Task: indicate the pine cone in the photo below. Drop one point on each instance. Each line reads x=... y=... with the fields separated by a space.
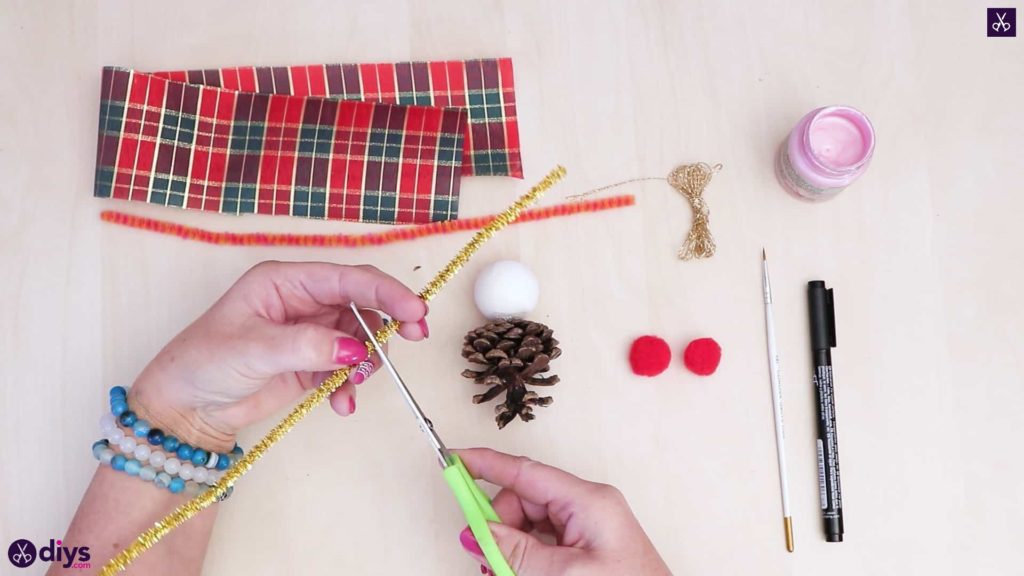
x=514 y=353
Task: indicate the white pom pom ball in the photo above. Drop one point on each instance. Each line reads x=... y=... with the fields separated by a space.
x=506 y=289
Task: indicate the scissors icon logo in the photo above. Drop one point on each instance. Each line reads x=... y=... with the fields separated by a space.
x=1001 y=25
x=1002 y=22
x=21 y=553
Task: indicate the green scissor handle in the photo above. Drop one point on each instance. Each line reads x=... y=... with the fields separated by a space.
x=478 y=511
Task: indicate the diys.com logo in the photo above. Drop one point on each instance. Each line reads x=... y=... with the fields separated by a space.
x=23 y=553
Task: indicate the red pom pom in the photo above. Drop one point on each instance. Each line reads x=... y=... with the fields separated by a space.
x=649 y=356
x=702 y=356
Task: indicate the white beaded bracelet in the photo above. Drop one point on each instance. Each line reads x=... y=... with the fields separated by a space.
x=158 y=458
x=106 y=455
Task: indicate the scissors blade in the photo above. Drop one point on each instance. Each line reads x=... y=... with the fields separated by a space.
x=443 y=456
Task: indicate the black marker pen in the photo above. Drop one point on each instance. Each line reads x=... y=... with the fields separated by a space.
x=823 y=339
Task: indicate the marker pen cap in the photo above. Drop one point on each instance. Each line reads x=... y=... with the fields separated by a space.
x=823 y=315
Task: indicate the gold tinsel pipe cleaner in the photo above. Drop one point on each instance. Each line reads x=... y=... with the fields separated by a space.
x=197 y=504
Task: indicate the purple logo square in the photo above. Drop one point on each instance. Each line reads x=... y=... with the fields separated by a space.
x=1002 y=22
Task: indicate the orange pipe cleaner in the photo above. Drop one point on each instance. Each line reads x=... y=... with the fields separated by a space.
x=356 y=240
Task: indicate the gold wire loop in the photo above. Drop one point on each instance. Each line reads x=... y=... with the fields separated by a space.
x=691 y=180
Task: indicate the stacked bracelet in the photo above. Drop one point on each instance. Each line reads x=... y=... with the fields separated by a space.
x=182 y=467
x=150 y=473
x=158 y=459
x=120 y=411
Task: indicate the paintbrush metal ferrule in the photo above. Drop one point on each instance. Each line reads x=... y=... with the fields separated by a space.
x=788 y=524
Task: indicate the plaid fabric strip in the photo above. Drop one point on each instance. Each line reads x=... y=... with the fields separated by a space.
x=484 y=87
x=194 y=140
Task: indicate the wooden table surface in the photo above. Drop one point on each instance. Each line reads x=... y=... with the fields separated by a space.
x=924 y=254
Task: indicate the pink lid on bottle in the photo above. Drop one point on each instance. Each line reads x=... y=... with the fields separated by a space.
x=827 y=150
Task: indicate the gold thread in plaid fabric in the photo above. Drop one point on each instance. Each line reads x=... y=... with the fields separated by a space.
x=199 y=146
x=485 y=87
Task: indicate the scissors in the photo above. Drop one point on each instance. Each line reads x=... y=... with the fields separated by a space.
x=21 y=558
x=1001 y=24
x=476 y=506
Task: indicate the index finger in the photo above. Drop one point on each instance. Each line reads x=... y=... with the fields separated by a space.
x=304 y=288
x=532 y=481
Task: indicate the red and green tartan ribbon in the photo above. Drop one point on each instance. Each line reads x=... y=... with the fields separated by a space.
x=373 y=143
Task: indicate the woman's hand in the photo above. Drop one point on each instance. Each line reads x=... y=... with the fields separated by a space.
x=279 y=331
x=595 y=532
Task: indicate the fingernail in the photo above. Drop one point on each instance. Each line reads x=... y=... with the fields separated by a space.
x=362 y=372
x=423 y=326
x=349 y=351
x=469 y=543
x=483 y=569
x=351 y=405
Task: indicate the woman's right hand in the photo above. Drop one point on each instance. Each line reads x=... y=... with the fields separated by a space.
x=595 y=531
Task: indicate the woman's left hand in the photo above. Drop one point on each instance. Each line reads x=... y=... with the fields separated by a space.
x=278 y=332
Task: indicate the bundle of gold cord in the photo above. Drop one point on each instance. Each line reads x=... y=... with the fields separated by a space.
x=189 y=509
x=690 y=181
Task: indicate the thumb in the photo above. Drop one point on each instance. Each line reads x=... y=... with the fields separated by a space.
x=303 y=347
x=528 y=556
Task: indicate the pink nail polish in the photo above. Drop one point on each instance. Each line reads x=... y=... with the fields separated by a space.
x=361 y=373
x=423 y=326
x=483 y=569
x=469 y=543
x=351 y=405
x=349 y=351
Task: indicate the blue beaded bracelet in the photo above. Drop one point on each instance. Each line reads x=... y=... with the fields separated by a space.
x=102 y=451
x=157 y=437
x=153 y=457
